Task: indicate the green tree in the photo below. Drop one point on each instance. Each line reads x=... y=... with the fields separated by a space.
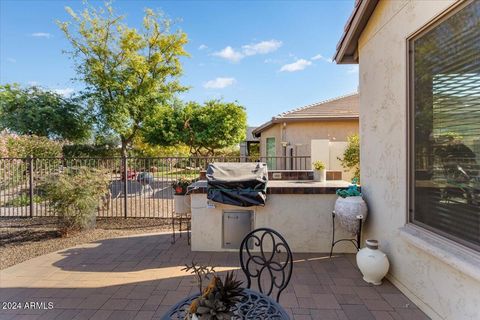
x=44 y=113
x=140 y=148
x=205 y=129
x=351 y=155
x=129 y=73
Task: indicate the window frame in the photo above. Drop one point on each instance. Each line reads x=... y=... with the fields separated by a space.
x=410 y=118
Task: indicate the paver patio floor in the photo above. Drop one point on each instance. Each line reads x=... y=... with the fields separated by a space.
x=139 y=277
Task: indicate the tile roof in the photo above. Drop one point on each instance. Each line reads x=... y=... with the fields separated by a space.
x=343 y=107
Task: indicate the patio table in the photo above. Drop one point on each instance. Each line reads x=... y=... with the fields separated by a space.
x=253 y=305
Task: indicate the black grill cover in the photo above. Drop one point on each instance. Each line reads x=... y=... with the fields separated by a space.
x=239 y=184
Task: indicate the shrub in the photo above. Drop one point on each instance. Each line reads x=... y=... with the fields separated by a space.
x=75 y=195
x=351 y=156
x=233 y=152
x=90 y=151
x=22 y=199
x=31 y=145
x=14 y=172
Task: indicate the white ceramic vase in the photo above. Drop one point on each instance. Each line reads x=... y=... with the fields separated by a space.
x=182 y=203
x=372 y=262
x=348 y=209
x=320 y=175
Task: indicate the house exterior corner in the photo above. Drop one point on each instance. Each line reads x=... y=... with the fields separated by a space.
x=430 y=277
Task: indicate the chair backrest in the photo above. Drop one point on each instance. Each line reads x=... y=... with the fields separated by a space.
x=266 y=257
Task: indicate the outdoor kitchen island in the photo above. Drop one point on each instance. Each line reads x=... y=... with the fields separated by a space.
x=301 y=210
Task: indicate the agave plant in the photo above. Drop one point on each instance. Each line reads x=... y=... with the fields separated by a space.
x=217 y=299
x=230 y=289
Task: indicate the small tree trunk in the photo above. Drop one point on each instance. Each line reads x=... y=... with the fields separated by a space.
x=124 y=147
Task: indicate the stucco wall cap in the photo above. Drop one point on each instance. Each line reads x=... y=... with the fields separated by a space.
x=463 y=259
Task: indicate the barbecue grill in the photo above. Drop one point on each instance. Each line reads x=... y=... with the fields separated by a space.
x=239 y=184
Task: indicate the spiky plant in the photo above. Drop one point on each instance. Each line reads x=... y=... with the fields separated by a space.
x=217 y=299
x=230 y=289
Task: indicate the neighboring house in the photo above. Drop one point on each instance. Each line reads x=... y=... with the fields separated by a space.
x=419 y=71
x=319 y=131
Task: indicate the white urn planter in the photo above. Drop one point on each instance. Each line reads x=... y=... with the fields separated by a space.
x=372 y=262
x=320 y=175
x=347 y=209
x=182 y=203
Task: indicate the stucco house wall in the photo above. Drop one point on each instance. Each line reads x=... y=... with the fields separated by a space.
x=305 y=131
x=430 y=274
x=300 y=136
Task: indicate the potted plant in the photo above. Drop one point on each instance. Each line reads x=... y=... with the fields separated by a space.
x=350 y=206
x=319 y=172
x=180 y=197
x=217 y=300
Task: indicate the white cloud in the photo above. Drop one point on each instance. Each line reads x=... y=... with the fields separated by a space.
x=229 y=54
x=353 y=69
x=298 y=65
x=320 y=57
x=252 y=49
x=219 y=83
x=66 y=92
x=41 y=35
x=262 y=47
x=202 y=47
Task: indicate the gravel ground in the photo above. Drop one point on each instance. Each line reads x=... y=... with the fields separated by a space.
x=25 y=238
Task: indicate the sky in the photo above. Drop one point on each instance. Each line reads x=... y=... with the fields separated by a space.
x=269 y=56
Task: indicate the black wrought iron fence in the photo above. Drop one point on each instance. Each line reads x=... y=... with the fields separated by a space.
x=138 y=187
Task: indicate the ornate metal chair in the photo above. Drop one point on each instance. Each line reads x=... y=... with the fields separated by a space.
x=266 y=257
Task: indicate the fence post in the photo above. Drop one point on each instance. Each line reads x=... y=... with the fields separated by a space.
x=30 y=187
x=125 y=186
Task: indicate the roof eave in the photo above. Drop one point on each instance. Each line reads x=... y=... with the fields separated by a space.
x=335 y=118
x=346 y=52
x=258 y=131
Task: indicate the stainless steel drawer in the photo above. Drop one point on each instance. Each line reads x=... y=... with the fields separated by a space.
x=236 y=225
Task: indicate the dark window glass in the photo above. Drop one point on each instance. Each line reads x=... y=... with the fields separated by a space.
x=445 y=115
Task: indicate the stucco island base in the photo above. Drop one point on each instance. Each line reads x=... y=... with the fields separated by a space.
x=305 y=220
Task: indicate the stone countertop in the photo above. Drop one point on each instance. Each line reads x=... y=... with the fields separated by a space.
x=288 y=186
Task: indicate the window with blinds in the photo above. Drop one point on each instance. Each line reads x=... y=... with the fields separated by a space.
x=445 y=126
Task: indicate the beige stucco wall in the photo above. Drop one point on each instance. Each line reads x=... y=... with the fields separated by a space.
x=303 y=132
x=307 y=228
x=299 y=135
x=442 y=291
